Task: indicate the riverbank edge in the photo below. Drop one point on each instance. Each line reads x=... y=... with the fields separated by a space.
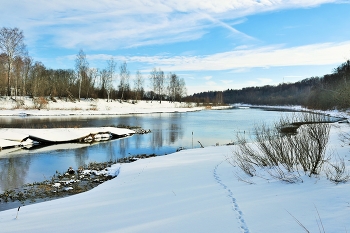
x=343 y=114
x=65 y=184
x=95 y=107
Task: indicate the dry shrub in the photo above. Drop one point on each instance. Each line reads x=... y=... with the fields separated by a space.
x=337 y=172
x=40 y=102
x=282 y=156
x=93 y=107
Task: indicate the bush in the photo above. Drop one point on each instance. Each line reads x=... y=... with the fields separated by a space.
x=40 y=102
x=337 y=172
x=284 y=155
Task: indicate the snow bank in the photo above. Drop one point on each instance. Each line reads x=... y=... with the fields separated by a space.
x=88 y=107
x=60 y=134
x=25 y=137
x=298 y=108
x=193 y=191
x=7 y=143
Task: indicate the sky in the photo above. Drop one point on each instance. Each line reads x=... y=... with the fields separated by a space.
x=213 y=45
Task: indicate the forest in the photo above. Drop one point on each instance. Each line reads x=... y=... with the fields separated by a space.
x=328 y=92
x=20 y=76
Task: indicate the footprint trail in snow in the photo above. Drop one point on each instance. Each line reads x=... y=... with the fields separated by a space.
x=235 y=206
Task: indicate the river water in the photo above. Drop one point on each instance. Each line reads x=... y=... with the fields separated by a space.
x=169 y=132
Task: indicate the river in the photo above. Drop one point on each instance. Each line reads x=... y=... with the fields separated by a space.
x=169 y=132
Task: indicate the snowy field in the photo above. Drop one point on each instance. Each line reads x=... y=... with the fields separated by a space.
x=194 y=190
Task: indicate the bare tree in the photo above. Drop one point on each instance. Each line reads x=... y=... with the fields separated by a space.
x=27 y=64
x=182 y=90
x=138 y=85
x=124 y=79
x=176 y=88
x=103 y=74
x=81 y=67
x=93 y=74
x=11 y=43
x=153 y=82
x=108 y=80
x=37 y=79
x=16 y=75
x=157 y=83
x=3 y=75
x=64 y=81
x=171 y=80
x=160 y=84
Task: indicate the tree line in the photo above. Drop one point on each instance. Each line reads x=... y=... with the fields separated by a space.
x=327 y=92
x=20 y=75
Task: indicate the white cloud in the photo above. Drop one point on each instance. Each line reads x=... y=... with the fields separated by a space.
x=108 y=24
x=208 y=77
x=240 y=60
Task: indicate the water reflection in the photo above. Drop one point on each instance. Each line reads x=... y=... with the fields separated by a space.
x=122 y=145
x=169 y=131
x=13 y=172
x=81 y=156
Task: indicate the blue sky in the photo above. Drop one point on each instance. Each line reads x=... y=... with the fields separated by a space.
x=213 y=45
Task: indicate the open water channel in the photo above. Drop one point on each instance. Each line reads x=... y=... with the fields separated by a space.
x=169 y=132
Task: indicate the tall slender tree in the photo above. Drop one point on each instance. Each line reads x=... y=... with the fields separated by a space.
x=138 y=85
x=124 y=76
x=12 y=44
x=81 y=67
x=110 y=77
x=157 y=83
x=176 y=88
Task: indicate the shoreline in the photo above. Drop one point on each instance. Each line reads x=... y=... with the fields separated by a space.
x=95 y=107
x=68 y=183
x=26 y=107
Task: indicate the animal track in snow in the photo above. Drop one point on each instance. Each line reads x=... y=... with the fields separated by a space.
x=235 y=206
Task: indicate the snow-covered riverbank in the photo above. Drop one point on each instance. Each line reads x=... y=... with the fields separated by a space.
x=62 y=107
x=194 y=191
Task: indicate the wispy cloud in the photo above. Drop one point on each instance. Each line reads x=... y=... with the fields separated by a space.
x=109 y=25
x=240 y=60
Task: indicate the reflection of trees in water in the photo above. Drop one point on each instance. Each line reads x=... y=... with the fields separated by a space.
x=110 y=152
x=123 y=145
x=13 y=172
x=124 y=121
x=175 y=129
x=138 y=140
x=167 y=131
x=157 y=139
x=175 y=133
x=81 y=156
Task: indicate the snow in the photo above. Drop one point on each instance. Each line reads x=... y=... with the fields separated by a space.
x=56 y=185
x=60 y=134
x=13 y=137
x=193 y=191
x=89 y=107
x=7 y=143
